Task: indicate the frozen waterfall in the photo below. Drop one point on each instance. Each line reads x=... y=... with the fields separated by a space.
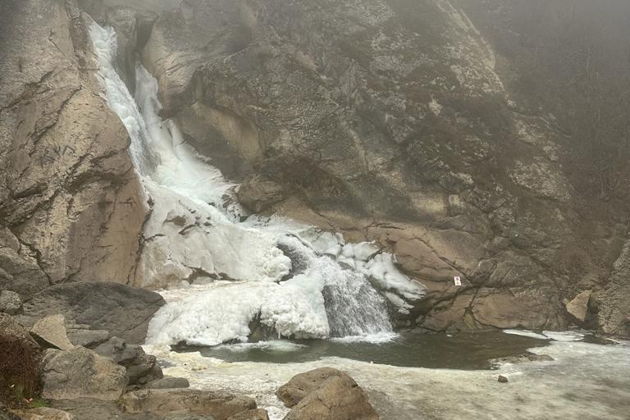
x=292 y=279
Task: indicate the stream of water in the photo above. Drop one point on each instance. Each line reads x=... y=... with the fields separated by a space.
x=292 y=279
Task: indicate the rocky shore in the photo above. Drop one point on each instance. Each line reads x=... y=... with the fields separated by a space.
x=63 y=358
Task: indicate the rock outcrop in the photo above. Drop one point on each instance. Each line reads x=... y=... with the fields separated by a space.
x=122 y=310
x=326 y=394
x=71 y=207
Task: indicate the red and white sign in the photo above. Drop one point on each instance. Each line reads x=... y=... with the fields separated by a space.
x=457 y=280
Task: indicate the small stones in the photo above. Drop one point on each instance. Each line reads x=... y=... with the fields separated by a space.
x=503 y=379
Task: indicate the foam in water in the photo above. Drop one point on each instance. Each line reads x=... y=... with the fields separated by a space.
x=292 y=278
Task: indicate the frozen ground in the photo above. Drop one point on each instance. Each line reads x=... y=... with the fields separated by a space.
x=585 y=381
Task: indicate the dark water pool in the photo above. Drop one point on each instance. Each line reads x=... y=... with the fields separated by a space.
x=460 y=351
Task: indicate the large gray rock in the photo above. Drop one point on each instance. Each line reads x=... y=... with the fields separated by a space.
x=220 y=405
x=81 y=373
x=325 y=394
x=51 y=332
x=10 y=302
x=168 y=382
x=141 y=367
x=578 y=306
x=122 y=310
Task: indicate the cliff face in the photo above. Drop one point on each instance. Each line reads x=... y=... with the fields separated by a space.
x=418 y=124
x=70 y=207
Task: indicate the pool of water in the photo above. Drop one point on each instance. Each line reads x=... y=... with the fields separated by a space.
x=467 y=351
x=573 y=375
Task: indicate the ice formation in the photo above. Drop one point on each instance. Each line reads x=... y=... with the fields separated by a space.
x=291 y=278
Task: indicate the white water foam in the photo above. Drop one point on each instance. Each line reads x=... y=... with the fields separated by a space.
x=567 y=336
x=295 y=279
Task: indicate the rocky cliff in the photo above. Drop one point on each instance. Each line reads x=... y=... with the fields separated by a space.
x=70 y=206
x=418 y=124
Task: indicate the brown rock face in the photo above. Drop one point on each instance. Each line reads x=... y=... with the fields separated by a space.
x=411 y=123
x=70 y=203
x=326 y=394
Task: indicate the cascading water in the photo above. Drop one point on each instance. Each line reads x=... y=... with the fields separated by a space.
x=294 y=279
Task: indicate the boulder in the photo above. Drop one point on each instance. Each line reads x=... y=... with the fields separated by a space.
x=168 y=382
x=337 y=398
x=44 y=413
x=220 y=405
x=122 y=310
x=141 y=367
x=10 y=302
x=303 y=384
x=81 y=373
x=578 y=307
x=51 y=332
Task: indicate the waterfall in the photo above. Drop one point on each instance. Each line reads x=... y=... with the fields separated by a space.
x=293 y=279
